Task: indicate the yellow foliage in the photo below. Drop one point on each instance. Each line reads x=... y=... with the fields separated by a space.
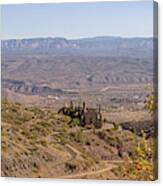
x=151 y=103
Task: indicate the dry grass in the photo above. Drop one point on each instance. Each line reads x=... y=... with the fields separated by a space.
x=40 y=143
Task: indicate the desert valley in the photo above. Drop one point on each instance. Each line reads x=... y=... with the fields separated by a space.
x=42 y=75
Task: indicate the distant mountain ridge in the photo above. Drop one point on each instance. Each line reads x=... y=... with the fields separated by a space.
x=96 y=46
x=34 y=69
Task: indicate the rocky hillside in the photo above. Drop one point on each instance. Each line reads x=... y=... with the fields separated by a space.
x=41 y=143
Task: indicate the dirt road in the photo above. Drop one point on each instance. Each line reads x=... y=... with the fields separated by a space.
x=91 y=173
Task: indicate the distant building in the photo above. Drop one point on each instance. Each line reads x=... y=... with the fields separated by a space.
x=87 y=116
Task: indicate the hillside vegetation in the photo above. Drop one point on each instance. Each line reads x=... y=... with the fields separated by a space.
x=41 y=143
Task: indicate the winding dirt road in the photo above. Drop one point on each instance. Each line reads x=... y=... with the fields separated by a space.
x=109 y=166
x=90 y=173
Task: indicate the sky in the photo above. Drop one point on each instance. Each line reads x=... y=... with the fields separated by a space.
x=77 y=20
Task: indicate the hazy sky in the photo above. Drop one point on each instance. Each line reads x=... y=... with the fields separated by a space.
x=76 y=20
